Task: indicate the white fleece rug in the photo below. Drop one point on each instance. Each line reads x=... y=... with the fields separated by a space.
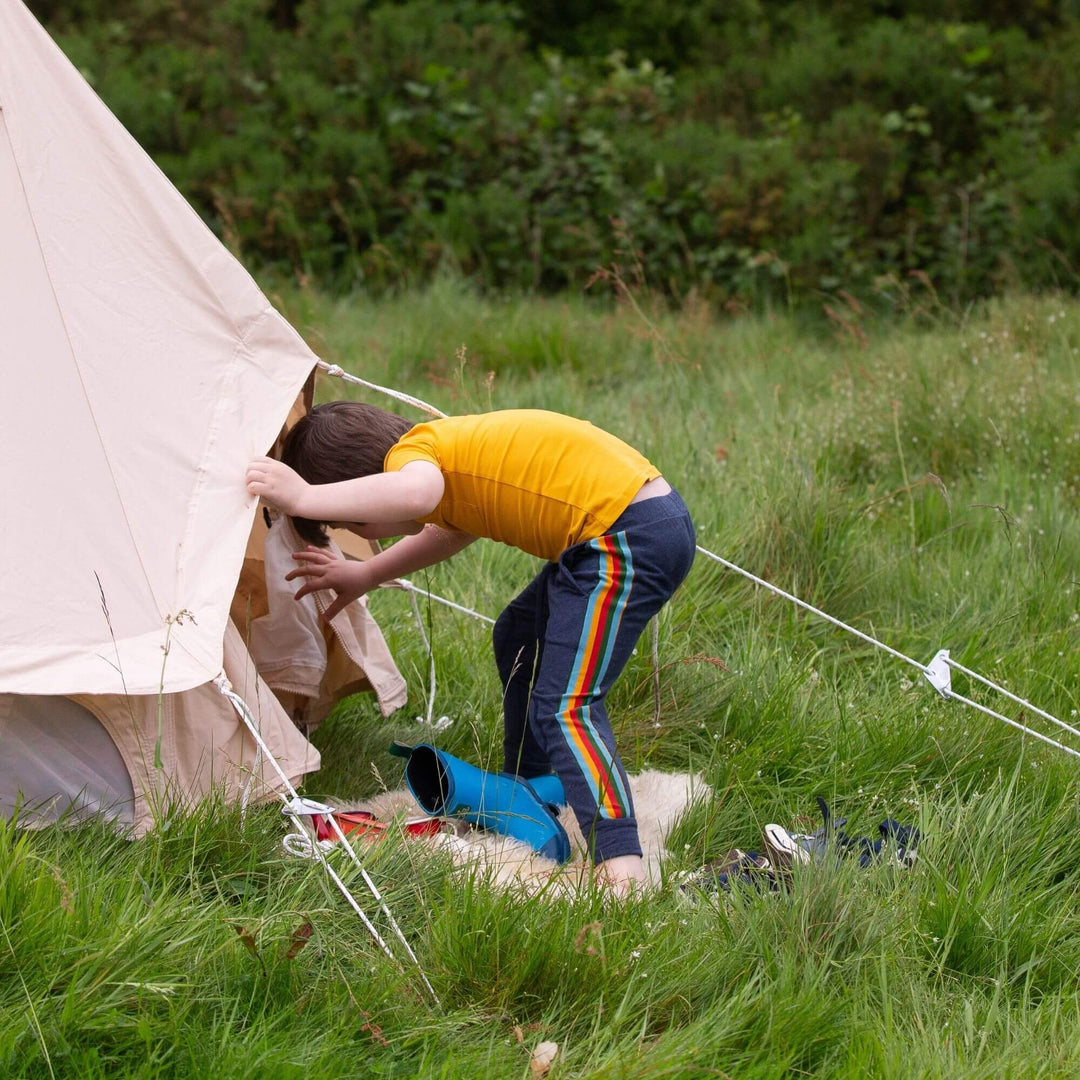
x=660 y=799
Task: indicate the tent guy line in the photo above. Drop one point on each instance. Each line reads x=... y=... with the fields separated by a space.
x=938 y=672
x=292 y=805
x=338 y=372
x=957 y=666
x=408 y=586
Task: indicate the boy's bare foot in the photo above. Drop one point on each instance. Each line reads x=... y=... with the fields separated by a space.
x=623 y=875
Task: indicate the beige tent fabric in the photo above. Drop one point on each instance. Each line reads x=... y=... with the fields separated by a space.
x=298 y=655
x=142 y=369
x=204 y=742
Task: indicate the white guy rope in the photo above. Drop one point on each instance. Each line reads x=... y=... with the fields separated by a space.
x=810 y=607
x=932 y=674
x=408 y=586
x=1012 y=723
x=336 y=370
x=351 y=852
x=1019 y=700
x=245 y=795
x=238 y=703
x=307 y=848
x=430 y=652
x=339 y=373
x=225 y=687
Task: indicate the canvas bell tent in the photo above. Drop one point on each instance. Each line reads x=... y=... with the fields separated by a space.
x=142 y=369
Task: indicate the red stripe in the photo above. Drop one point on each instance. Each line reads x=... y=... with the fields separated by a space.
x=603 y=781
x=612 y=590
x=608 y=794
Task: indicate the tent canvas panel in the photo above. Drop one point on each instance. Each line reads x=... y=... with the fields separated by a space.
x=164 y=370
x=59 y=763
x=102 y=761
x=142 y=370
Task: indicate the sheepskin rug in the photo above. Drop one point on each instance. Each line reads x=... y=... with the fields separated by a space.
x=660 y=799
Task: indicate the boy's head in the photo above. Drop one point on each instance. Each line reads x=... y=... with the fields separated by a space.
x=339 y=440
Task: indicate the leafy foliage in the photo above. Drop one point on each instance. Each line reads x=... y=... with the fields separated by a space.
x=748 y=151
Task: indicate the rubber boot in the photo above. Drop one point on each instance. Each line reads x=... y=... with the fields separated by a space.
x=446 y=786
x=548 y=787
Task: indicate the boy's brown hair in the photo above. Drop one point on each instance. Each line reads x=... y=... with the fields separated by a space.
x=339 y=440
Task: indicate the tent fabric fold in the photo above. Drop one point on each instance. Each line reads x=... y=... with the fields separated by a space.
x=309 y=665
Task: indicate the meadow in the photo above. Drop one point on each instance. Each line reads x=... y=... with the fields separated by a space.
x=916 y=476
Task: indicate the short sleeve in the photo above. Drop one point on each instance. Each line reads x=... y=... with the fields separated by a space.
x=417 y=444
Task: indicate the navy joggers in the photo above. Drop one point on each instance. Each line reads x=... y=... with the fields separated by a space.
x=562 y=642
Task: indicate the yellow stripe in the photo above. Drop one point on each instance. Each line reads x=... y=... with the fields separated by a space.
x=602 y=782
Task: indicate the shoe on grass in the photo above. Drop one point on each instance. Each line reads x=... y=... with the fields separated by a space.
x=737 y=867
x=787 y=849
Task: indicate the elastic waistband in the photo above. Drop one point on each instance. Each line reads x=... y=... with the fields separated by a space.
x=660 y=508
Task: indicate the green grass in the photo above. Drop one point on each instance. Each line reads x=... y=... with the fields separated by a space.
x=806 y=459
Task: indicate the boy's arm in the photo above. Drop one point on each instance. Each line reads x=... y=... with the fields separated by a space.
x=411 y=492
x=383 y=530
x=431 y=545
x=350 y=580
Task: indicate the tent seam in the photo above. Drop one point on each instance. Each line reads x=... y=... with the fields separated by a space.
x=229 y=377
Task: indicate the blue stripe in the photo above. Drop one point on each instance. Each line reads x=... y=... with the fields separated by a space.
x=620 y=604
x=614 y=620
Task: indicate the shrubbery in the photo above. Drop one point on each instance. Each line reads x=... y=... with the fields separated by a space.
x=781 y=151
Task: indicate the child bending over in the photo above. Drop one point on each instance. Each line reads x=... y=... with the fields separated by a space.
x=617 y=538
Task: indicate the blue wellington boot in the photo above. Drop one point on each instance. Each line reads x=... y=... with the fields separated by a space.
x=548 y=787
x=446 y=786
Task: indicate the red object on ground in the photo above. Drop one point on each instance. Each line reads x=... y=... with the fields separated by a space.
x=364 y=823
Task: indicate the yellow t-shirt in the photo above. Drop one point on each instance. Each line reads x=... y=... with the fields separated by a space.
x=537 y=480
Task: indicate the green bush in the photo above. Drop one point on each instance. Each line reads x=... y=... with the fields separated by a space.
x=780 y=152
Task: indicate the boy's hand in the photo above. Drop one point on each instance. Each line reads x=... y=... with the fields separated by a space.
x=275 y=482
x=321 y=569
